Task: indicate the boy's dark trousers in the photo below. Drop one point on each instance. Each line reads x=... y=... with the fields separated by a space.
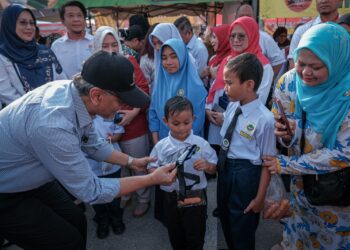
x=109 y=212
x=238 y=185
x=42 y=218
x=186 y=226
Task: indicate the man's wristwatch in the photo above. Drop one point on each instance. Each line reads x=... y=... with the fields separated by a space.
x=130 y=159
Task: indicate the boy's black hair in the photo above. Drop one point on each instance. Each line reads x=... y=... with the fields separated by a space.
x=246 y=67
x=72 y=3
x=177 y=104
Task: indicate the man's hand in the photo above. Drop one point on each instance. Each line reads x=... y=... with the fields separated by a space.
x=165 y=175
x=270 y=162
x=140 y=164
x=278 y=210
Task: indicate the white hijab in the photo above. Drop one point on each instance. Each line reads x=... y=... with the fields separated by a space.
x=100 y=35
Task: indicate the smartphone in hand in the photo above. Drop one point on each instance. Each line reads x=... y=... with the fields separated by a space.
x=283 y=119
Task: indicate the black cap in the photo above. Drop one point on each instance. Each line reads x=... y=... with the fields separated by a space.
x=344 y=19
x=135 y=31
x=115 y=73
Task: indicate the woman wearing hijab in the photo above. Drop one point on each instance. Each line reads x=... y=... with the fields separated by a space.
x=161 y=33
x=135 y=140
x=244 y=38
x=317 y=94
x=24 y=64
x=219 y=39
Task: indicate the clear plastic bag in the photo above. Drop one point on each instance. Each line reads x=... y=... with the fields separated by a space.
x=275 y=194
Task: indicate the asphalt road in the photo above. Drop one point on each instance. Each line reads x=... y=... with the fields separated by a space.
x=146 y=233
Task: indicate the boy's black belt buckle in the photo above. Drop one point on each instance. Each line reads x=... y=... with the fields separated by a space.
x=181 y=175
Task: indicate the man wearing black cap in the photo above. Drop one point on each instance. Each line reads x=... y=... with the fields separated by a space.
x=44 y=136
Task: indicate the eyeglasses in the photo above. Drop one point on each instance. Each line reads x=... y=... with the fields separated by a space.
x=25 y=23
x=240 y=36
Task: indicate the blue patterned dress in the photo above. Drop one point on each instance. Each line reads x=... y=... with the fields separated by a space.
x=312 y=227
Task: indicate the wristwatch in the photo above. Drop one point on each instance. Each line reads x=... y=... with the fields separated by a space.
x=130 y=159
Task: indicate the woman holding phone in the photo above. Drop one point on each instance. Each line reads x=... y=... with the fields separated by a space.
x=316 y=98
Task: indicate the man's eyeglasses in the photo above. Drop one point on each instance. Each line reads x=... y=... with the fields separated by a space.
x=240 y=36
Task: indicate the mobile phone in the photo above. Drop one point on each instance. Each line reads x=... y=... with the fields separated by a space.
x=187 y=154
x=283 y=118
x=117 y=118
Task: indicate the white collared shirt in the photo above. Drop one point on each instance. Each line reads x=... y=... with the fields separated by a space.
x=169 y=149
x=254 y=135
x=270 y=49
x=299 y=33
x=199 y=52
x=73 y=53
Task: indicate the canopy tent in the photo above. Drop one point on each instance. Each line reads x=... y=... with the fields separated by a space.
x=107 y=12
x=133 y=3
x=121 y=8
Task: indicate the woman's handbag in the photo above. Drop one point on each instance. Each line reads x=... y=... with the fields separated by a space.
x=330 y=189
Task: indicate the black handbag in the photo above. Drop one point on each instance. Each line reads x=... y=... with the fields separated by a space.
x=330 y=189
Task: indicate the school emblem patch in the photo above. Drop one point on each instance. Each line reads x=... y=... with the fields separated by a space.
x=250 y=127
x=226 y=143
x=181 y=92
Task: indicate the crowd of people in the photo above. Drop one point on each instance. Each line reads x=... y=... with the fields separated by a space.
x=101 y=119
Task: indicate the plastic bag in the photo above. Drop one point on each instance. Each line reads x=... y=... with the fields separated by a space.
x=275 y=194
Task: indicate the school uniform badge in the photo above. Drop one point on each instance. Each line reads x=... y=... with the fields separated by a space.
x=248 y=131
x=225 y=143
x=181 y=92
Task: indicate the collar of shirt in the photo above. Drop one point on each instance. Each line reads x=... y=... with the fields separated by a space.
x=176 y=142
x=317 y=20
x=192 y=43
x=86 y=37
x=250 y=107
x=83 y=116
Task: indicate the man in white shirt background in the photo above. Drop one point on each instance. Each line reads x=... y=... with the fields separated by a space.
x=77 y=45
x=194 y=45
x=328 y=10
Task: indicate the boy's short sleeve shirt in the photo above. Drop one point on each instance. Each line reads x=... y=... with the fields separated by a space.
x=169 y=149
x=103 y=127
x=254 y=132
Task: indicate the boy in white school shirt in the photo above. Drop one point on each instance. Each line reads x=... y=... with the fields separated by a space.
x=248 y=132
x=186 y=223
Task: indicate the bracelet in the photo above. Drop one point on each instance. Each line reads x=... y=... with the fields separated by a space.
x=130 y=159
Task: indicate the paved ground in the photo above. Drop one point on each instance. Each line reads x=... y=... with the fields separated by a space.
x=146 y=233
